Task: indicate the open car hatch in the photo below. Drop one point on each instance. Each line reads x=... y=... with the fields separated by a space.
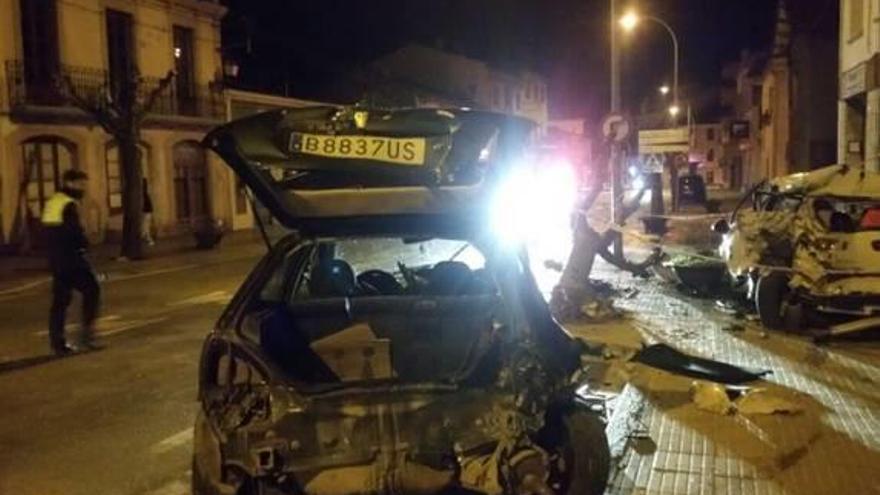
x=334 y=169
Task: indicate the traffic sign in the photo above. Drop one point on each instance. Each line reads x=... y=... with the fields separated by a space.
x=675 y=140
x=615 y=127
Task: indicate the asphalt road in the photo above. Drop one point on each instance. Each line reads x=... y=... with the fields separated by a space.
x=118 y=420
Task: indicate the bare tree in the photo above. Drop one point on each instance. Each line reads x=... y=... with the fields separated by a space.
x=120 y=107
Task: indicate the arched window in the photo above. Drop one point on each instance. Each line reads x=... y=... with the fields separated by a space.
x=190 y=181
x=45 y=159
x=113 y=171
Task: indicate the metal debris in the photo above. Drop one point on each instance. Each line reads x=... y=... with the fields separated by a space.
x=666 y=358
x=766 y=401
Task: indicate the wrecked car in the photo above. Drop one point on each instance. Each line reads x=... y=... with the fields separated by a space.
x=806 y=247
x=389 y=344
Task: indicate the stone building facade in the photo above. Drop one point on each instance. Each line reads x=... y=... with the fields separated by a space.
x=94 y=43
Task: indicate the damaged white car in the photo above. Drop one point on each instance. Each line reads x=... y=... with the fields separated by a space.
x=390 y=344
x=807 y=247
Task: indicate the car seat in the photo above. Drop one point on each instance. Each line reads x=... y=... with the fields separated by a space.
x=332 y=278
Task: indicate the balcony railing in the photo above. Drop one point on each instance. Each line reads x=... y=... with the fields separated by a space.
x=30 y=90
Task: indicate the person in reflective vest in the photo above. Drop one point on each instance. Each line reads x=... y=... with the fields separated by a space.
x=67 y=244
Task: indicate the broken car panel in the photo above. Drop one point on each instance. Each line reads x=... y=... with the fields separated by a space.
x=811 y=241
x=391 y=344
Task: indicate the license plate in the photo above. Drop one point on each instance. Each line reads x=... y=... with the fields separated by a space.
x=403 y=151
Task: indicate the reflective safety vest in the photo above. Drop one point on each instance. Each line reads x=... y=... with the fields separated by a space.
x=53 y=212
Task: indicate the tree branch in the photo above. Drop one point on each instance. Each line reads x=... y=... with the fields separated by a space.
x=150 y=101
x=101 y=113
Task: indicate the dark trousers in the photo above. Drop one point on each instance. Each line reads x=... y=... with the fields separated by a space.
x=64 y=282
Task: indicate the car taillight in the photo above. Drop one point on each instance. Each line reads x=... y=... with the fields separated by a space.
x=871 y=219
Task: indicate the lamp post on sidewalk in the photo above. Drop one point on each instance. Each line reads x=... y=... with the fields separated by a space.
x=629 y=22
x=616 y=167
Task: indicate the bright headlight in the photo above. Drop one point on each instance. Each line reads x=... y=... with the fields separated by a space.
x=534 y=204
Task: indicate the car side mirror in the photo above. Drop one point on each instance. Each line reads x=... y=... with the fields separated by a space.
x=722 y=226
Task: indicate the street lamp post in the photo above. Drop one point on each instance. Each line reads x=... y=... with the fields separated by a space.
x=629 y=22
x=615 y=165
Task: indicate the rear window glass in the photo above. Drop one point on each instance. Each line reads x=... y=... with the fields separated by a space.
x=390 y=309
x=843 y=215
x=388 y=266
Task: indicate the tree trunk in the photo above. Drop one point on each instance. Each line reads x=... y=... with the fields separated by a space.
x=132 y=197
x=573 y=290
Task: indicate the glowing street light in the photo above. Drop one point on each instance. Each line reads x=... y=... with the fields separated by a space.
x=629 y=21
x=664 y=90
x=674 y=110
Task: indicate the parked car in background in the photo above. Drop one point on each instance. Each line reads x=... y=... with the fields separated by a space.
x=390 y=343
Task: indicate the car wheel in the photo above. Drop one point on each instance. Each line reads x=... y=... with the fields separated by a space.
x=770 y=298
x=796 y=317
x=580 y=454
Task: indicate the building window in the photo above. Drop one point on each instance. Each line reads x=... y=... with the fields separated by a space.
x=856 y=18
x=757 y=91
x=113 y=173
x=184 y=67
x=710 y=134
x=120 y=50
x=190 y=181
x=45 y=159
x=39 y=40
x=710 y=156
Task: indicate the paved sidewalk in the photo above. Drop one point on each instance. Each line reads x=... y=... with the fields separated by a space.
x=672 y=447
x=20 y=274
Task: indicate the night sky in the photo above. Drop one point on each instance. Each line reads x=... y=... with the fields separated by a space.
x=309 y=44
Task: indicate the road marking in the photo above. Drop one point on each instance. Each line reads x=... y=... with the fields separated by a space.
x=160 y=271
x=21 y=288
x=124 y=325
x=74 y=326
x=219 y=296
x=131 y=326
x=172 y=442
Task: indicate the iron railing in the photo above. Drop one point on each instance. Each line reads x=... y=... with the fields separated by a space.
x=32 y=89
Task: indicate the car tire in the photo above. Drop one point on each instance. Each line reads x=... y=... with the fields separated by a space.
x=576 y=439
x=591 y=454
x=796 y=317
x=770 y=295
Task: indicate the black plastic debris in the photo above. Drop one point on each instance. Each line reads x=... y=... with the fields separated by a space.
x=666 y=358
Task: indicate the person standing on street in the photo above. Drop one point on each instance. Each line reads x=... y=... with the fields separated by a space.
x=147 y=222
x=71 y=271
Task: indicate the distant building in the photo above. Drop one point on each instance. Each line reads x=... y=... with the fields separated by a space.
x=707 y=153
x=96 y=42
x=423 y=76
x=782 y=117
x=859 y=94
x=798 y=128
x=741 y=96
